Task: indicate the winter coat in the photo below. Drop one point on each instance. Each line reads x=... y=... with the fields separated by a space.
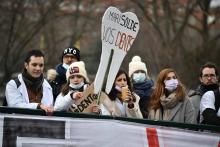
x=195 y=98
x=144 y=91
x=18 y=96
x=109 y=107
x=182 y=112
x=64 y=102
x=60 y=79
x=55 y=88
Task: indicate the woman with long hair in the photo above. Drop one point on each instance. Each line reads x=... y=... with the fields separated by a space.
x=122 y=100
x=169 y=101
x=77 y=82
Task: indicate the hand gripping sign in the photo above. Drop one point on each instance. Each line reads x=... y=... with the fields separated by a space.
x=118 y=33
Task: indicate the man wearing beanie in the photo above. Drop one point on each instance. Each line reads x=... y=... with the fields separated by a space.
x=30 y=89
x=69 y=55
x=142 y=84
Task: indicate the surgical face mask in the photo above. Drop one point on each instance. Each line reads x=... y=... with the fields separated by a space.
x=118 y=88
x=171 y=85
x=139 y=77
x=66 y=66
x=76 y=86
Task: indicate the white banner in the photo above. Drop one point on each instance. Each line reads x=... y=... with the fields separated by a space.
x=26 y=131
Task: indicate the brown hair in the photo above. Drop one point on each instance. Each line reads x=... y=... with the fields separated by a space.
x=160 y=89
x=113 y=93
x=208 y=65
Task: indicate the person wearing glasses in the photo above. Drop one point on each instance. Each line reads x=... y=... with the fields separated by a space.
x=69 y=55
x=210 y=101
x=208 y=77
x=169 y=101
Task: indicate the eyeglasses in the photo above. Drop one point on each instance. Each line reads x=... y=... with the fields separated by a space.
x=209 y=75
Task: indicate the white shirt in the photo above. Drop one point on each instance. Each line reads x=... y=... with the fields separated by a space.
x=121 y=107
x=208 y=101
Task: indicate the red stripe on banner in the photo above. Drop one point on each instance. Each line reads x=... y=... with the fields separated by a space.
x=219 y=144
x=152 y=137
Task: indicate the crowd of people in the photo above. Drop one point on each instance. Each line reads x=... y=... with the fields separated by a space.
x=133 y=94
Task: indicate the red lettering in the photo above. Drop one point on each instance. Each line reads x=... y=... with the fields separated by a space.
x=130 y=42
x=124 y=41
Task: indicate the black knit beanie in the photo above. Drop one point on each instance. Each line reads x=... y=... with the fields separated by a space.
x=72 y=50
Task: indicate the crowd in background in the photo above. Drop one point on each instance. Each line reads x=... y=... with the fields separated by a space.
x=133 y=94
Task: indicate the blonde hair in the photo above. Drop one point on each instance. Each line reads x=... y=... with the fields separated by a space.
x=51 y=74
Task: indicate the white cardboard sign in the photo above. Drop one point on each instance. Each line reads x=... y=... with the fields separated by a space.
x=119 y=31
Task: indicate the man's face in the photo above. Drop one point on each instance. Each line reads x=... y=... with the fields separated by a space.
x=208 y=76
x=35 y=66
x=69 y=58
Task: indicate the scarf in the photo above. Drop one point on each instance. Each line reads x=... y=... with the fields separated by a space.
x=35 y=84
x=143 y=90
x=204 y=88
x=167 y=104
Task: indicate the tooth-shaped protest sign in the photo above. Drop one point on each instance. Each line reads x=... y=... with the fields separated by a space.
x=119 y=31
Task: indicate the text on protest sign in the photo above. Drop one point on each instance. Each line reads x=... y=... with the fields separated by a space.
x=119 y=29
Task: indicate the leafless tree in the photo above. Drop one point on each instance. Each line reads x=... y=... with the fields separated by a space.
x=183 y=35
x=21 y=23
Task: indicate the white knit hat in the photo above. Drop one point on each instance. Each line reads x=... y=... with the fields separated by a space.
x=77 y=68
x=136 y=64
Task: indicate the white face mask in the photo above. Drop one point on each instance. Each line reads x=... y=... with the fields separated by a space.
x=66 y=66
x=139 y=77
x=171 y=85
x=118 y=88
x=76 y=86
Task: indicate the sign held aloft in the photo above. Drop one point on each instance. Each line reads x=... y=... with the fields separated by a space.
x=119 y=31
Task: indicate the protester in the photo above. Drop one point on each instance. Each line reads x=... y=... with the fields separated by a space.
x=208 y=77
x=210 y=101
x=69 y=55
x=169 y=101
x=30 y=89
x=77 y=82
x=142 y=84
x=122 y=100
